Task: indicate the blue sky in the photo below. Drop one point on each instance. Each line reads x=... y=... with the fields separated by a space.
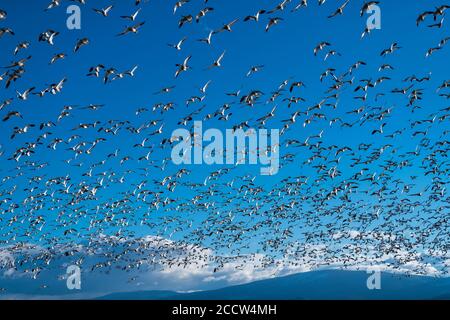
x=286 y=52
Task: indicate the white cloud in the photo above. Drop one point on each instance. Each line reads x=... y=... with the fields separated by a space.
x=154 y=263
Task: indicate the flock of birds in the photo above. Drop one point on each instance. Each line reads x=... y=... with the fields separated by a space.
x=381 y=197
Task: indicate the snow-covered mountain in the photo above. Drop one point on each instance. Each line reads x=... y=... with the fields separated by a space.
x=332 y=284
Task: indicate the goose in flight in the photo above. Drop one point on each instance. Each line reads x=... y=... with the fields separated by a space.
x=158 y=131
x=184 y=20
x=207 y=40
x=94 y=107
x=4 y=31
x=440 y=11
x=366 y=7
x=133 y=16
x=366 y=32
x=339 y=11
x=179 y=4
x=5 y=103
x=422 y=16
x=95 y=71
x=119 y=75
x=53 y=4
x=20 y=63
x=23 y=130
x=3 y=14
x=385 y=67
x=254 y=69
x=57 y=87
x=379 y=131
x=178 y=45
x=280 y=6
x=57 y=57
x=109 y=72
x=203 y=13
x=182 y=67
x=20 y=46
x=331 y=53
x=48 y=36
x=41 y=93
x=131 y=71
x=255 y=17
x=165 y=90
x=136 y=2
x=104 y=11
x=302 y=4
x=132 y=29
x=321 y=46
x=437 y=25
x=11 y=115
x=431 y=51
x=394 y=47
x=227 y=27
x=298 y=84
x=218 y=62
x=443 y=42
x=205 y=87
x=81 y=43
x=272 y=22
x=12 y=77
x=233 y=94
x=24 y=95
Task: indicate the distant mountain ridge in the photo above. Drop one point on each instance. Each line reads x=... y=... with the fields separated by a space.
x=318 y=285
